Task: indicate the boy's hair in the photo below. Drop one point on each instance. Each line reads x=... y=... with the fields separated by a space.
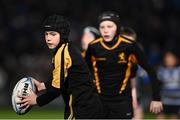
x=59 y=24
x=127 y=31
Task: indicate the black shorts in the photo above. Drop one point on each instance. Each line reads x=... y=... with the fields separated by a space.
x=171 y=109
x=89 y=109
x=118 y=109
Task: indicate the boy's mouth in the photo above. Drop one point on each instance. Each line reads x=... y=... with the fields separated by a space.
x=106 y=36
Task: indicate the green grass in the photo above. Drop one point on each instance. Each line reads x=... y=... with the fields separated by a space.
x=42 y=113
x=34 y=113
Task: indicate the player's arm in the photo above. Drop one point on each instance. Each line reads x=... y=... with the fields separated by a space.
x=134 y=93
x=53 y=90
x=88 y=59
x=156 y=105
x=41 y=100
x=143 y=62
x=50 y=94
x=88 y=56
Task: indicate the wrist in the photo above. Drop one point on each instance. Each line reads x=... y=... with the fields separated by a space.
x=41 y=86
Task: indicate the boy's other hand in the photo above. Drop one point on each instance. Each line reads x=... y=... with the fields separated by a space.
x=39 y=85
x=156 y=107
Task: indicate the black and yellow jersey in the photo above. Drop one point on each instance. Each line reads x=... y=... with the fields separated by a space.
x=71 y=78
x=112 y=67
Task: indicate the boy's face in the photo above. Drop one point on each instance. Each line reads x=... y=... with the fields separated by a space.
x=52 y=39
x=170 y=60
x=108 y=30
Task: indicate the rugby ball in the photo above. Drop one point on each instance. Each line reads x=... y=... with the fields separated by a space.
x=22 y=88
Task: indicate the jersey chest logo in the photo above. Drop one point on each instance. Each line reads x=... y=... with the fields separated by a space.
x=122 y=58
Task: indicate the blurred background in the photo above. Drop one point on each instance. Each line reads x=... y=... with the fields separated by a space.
x=23 y=51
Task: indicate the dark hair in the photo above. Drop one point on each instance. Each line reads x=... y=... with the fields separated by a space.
x=59 y=24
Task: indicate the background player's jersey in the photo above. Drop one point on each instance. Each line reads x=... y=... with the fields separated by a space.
x=112 y=67
x=170 y=78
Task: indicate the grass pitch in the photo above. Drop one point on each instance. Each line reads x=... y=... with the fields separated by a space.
x=34 y=113
x=37 y=113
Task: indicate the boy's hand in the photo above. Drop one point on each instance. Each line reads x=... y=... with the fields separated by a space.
x=39 y=85
x=28 y=101
x=156 y=107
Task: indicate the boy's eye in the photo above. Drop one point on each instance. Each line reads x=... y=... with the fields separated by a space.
x=101 y=27
x=46 y=33
x=53 y=34
x=110 y=26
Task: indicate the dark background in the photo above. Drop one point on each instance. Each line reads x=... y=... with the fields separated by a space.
x=23 y=51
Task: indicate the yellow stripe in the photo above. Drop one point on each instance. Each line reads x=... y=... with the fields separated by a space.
x=133 y=59
x=127 y=75
x=57 y=70
x=67 y=61
x=83 y=54
x=95 y=41
x=57 y=63
x=125 y=40
x=97 y=81
x=71 y=109
x=113 y=47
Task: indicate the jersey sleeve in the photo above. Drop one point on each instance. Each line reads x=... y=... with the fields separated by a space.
x=88 y=57
x=48 y=96
x=143 y=62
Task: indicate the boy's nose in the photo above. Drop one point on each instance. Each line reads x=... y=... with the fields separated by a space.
x=48 y=39
x=105 y=31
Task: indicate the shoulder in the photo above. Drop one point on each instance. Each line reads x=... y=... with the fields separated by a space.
x=73 y=50
x=131 y=43
x=95 y=41
x=125 y=40
x=161 y=68
x=75 y=54
x=60 y=50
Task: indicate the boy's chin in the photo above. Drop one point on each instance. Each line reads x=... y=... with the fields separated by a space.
x=108 y=40
x=51 y=48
